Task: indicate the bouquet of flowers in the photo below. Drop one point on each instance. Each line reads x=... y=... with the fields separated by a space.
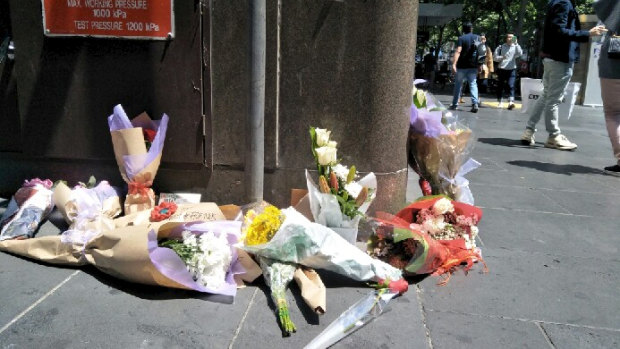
x=339 y=201
x=288 y=237
x=138 y=145
x=88 y=209
x=27 y=208
x=431 y=236
x=196 y=256
x=438 y=148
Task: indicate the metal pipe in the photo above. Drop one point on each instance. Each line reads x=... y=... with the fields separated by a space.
x=255 y=125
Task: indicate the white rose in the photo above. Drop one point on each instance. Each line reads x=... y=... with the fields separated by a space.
x=326 y=155
x=353 y=189
x=474 y=231
x=332 y=144
x=341 y=172
x=322 y=136
x=442 y=206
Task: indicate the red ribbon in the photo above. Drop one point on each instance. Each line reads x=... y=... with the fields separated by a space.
x=139 y=188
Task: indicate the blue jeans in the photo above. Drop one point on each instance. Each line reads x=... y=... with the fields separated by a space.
x=555 y=80
x=506 y=77
x=470 y=74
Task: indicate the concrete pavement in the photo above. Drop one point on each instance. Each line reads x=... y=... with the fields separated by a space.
x=550 y=237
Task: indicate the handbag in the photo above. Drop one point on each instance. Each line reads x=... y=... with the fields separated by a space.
x=614 y=47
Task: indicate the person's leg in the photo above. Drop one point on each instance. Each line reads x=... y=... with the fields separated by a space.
x=555 y=85
x=611 y=107
x=538 y=105
x=473 y=85
x=457 y=87
x=500 y=83
x=512 y=75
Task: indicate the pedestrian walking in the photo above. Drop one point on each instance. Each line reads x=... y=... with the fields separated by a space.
x=560 y=50
x=465 y=64
x=506 y=56
x=487 y=67
x=430 y=67
x=608 y=11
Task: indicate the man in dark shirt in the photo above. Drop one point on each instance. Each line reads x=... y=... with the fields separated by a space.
x=465 y=66
x=562 y=34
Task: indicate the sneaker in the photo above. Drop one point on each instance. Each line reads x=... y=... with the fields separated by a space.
x=500 y=104
x=527 y=138
x=511 y=106
x=614 y=168
x=560 y=142
x=452 y=107
x=474 y=108
x=461 y=101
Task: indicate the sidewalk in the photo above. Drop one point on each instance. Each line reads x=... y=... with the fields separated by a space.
x=549 y=235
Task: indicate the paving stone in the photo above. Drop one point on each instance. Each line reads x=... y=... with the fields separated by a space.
x=580 y=337
x=605 y=206
x=97 y=311
x=514 y=198
x=449 y=330
x=543 y=287
x=559 y=234
x=400 y=327
x=23 y=282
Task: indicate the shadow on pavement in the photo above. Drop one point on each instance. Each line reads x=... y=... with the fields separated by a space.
x=515 y=143
x=555 y=168
x=151 y=292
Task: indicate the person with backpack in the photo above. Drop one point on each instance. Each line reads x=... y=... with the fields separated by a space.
x=467 y=62
x=506 y=57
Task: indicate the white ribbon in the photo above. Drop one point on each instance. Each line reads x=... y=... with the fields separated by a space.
x=463 y=193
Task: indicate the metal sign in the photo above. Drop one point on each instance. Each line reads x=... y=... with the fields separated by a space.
x=129 y=19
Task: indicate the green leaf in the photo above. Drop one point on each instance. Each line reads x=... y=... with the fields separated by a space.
x=351 y=175
x=313 y=139
x=419 y=99
x=92 y=181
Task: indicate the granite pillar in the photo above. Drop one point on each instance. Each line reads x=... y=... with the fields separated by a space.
x=346 y=66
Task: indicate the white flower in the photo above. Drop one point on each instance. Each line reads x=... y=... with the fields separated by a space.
x=341 y=171
x=434 y=225
x=474 y=231
x=326 y=155
x=332 y=144
x=212 y=259
x=322 y=136
x=353 y=189
x=442 y=206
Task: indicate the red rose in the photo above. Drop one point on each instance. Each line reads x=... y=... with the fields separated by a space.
x=399 y=286
x=149 y=135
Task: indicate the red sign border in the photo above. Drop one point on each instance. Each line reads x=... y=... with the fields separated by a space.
x=169 y=36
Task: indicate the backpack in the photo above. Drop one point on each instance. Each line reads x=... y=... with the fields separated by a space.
x=477 y=53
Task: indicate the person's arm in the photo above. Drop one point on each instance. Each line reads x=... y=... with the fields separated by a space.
x=498 y=53
x=518 y=51
x=457 y=54
x=559 y=20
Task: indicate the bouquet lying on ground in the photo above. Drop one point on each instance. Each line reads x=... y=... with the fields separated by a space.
x=432 y=236
x=88 y=209
x=438 y=148
x=138 y=145
x=339 y=201
x=287 y=237
x=27 y=209
x=194 y=256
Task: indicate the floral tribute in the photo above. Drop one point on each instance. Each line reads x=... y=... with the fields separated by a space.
x=208 y=256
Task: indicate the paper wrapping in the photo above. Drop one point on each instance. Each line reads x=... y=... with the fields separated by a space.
x=132 y=254
x=136 y=164
x=312 y=289
x=88 y=209
x=326 y=210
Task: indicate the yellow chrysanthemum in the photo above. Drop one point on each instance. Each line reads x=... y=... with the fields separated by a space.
x=263 y=226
